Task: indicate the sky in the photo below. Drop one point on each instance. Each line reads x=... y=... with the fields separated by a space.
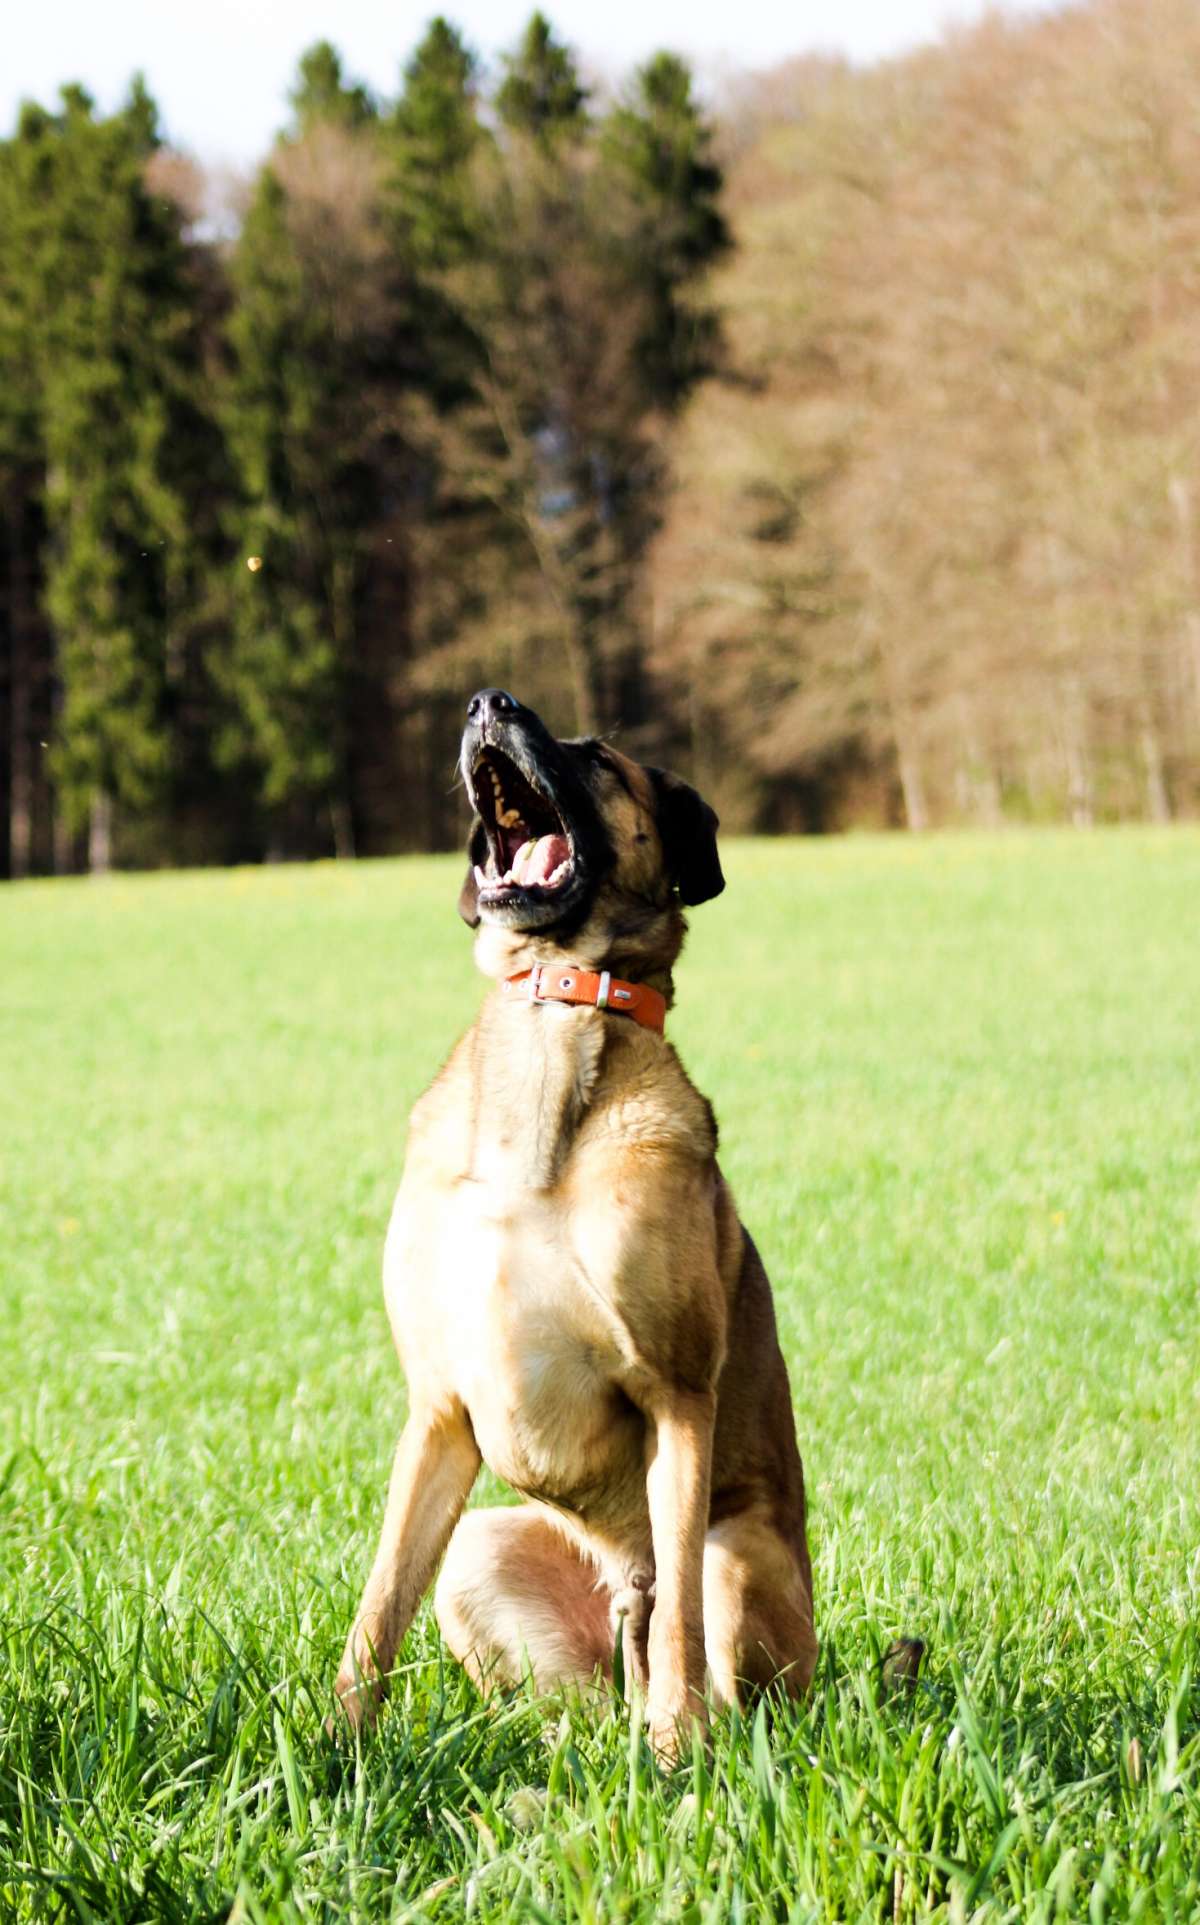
x=220 y=70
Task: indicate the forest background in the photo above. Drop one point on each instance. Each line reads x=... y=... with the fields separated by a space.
x=834 y=441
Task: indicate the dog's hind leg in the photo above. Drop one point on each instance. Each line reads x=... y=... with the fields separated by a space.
x=515 y=1594
x=758 y=1622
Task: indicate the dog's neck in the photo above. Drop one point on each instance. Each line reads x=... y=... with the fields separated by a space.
x=535 y=1071
x=641 y=951
x=544 y=1061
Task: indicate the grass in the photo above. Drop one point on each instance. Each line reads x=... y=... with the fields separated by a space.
x=959 y=1089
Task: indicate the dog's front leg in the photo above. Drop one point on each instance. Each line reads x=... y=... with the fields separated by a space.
x=434 y=1468
x=679 y=1460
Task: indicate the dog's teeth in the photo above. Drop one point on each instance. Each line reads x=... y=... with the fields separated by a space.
x=480 y=878
x=509 y=819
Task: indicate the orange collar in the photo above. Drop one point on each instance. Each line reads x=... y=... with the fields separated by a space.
x=567 y=983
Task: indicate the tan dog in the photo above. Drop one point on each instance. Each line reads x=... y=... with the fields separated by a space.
x=572 y=1296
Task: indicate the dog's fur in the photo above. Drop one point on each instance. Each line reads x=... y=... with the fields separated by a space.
x=575 y=1302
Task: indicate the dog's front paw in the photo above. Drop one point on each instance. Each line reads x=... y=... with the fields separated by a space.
x=356 y=1696
x=671 y=1719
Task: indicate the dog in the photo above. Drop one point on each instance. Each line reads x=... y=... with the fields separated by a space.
x=573 y=1298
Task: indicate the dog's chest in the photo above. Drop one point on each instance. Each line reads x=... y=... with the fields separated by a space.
x=530 y=1349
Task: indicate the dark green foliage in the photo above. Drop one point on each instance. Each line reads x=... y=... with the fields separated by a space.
x=280 y=670
x=435 y=135
x=238 y=487
x=310 y=432
x=570 y=307
x=107 y=352
x=25 y=647
x=321 y=96
x=432 y=146
x=659 y=145
x=25 y=201
x=541 y=93
x=452 y=382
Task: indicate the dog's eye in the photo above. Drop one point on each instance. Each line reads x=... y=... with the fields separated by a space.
x=641 y=836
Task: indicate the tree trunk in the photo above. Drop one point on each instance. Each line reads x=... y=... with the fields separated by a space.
x=100 y=825
x=580 y=656
x=1080 y=795
x=342 y=613
x=1180 y=495
x=899 y=710
x=20 y=708
x=20 y=784
x=64 y=845
x=1193 y=635
x=977 y=783
x=1158 y=802
x=916 y=815
x=343 y=829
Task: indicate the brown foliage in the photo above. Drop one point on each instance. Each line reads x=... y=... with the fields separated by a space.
x=933 y=550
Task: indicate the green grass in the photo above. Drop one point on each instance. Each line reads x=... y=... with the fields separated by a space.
x=959 y=1088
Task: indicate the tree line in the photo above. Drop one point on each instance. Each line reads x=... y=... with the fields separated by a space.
x=840 y=449
x=269 y=509
x=933 y=554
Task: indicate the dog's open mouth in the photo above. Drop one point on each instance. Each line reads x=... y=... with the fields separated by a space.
x=529 y=846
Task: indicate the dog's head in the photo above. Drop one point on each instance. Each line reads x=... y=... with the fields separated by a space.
x=576 y=847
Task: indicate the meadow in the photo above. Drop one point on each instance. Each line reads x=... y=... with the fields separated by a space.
x=958 y=1082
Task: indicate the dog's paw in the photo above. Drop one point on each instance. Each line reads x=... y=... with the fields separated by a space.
x=355 y=1704
x=671 y=1722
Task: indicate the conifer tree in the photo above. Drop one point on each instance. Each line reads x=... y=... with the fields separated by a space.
x=433 y=140
x=579 y=297
x=323 y=98
x=541 y=94
x=24 y=637
x=115 y=370
x=435 y=135
x=306 y=423
x=658 y=147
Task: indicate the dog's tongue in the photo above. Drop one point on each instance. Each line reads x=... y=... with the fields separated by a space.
x=537 y=861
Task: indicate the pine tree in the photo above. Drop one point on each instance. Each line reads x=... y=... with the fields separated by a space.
x=25 y=653
x=541 y=94
x=658 y=147
x=574 y=307
x=309 y=430
x=322 y=97
x=543 y=393
x=115 y=360
x=434 y=136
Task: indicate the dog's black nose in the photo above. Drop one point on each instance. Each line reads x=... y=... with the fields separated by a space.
x=490 y=703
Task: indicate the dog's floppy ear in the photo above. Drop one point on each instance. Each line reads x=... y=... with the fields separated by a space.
x=468 y=895
x=688 y=828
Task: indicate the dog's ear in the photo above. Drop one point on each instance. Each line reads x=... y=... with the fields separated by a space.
x=468 y=895
x=688 y=828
